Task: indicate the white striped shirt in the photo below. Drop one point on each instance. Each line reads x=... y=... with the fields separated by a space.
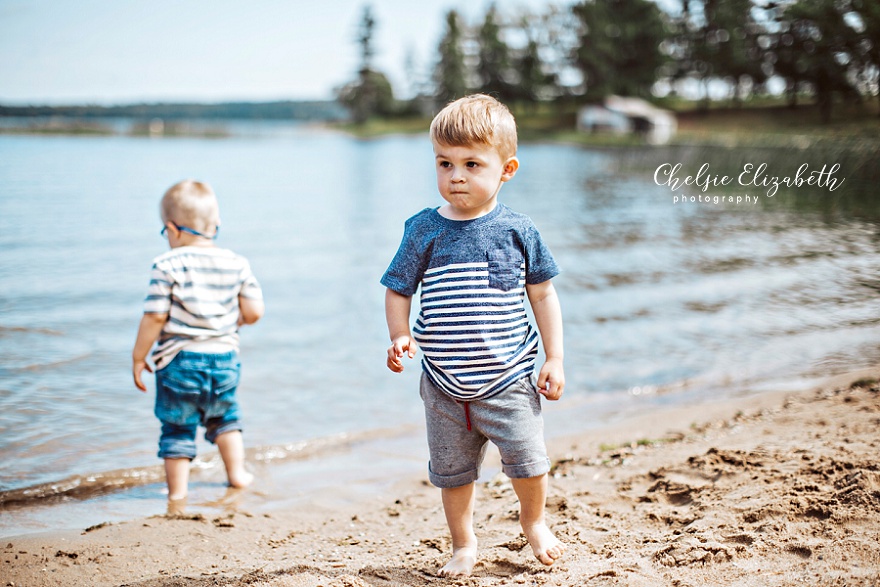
x=198 y=287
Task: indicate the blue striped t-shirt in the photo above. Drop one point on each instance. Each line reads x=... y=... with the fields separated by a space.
x=472 y=327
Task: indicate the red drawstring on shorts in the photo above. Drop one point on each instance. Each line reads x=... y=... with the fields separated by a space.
x=467 y=414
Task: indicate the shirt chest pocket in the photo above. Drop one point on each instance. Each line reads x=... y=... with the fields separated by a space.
x=505 y=269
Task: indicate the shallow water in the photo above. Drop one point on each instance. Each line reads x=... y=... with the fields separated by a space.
x=663 y=302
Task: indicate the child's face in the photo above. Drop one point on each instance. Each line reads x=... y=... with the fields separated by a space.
x=469 y=178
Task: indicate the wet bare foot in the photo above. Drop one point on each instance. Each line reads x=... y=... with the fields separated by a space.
x=228 y=501
x=461 y=564
x=240 y=479
x=545 y=545
x=176 y=507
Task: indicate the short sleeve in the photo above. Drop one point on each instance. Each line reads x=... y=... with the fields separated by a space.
x=540 y=264
x=158 y=300
x=408 y=265
x=250 y=287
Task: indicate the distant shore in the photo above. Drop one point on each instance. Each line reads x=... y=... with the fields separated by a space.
x=766 y=126
x=779 y=489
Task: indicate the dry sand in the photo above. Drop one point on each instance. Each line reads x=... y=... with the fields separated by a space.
x=770 y=490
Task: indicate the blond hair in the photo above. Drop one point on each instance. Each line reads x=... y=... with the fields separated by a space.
x=192 y=204
x=476 y=120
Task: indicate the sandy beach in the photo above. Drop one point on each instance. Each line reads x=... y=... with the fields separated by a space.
x=778 y=489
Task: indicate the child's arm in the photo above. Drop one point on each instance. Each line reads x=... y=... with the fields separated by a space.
x=548 y=315
x=397 y=308
x=250 y=310
x=148 y=331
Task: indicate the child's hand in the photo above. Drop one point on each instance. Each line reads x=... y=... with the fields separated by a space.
x=399 y=346
x=551 y=379
x=137 y=368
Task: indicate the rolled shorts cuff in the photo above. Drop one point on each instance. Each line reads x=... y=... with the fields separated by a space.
x=452 y=481
x=527 y=470
x=212 y=432
x=177 y=449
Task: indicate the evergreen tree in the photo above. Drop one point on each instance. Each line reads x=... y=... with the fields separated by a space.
x=450 y=75
x=493 y=68
x=371 y=93
x=719 y=40
x=532 y=77
x=729 y=42
x=868 y=12
x=619 y=49
x=365 y=38
x=818 y=46
x=535 y=83
x=556 y=38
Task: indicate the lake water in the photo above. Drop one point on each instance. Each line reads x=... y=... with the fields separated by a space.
x=664 y=301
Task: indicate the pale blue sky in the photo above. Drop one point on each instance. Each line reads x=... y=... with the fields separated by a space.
x=124 y=51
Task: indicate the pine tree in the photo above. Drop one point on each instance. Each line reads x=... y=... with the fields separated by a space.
x=817 y=47
x=619 y=50
x=493 y=69
x=450 y=75
x=371 y=93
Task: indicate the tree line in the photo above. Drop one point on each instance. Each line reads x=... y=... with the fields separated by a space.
x=822 y=50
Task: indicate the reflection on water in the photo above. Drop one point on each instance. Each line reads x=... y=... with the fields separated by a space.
x=688 y=299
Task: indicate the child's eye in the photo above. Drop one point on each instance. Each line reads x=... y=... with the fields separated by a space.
x=472 y=164
x=445 y=164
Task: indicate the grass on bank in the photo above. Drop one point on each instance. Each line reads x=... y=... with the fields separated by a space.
x=759 y=124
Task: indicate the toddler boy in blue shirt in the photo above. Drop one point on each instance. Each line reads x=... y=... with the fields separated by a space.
x=476 y=260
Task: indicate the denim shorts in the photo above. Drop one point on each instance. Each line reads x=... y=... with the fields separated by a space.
x=196 y=389
x=458 y=433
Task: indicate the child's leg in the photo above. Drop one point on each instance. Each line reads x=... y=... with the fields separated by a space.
x=177 y=447
x=458 y=505
x=532 y=494
x=177 y=477
x=231 y=449
x=457 y=450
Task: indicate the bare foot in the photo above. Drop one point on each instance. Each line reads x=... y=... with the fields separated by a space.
x=462 y=563
x=240 y=479
x=545 y=545
x=176 y=507
x=229 y=500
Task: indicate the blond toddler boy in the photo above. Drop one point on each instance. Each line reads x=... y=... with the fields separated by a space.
x=475 y=261
x=199 y=295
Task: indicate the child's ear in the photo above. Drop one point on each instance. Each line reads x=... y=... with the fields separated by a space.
x=510 y=167
x=172 y=229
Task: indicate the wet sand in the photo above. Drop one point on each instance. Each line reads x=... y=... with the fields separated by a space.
x=779 y=489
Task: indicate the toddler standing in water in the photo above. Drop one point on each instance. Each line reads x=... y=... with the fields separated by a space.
x=476 y=260
x=198 y=297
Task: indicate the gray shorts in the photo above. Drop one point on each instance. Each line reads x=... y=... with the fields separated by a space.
x=511 y=420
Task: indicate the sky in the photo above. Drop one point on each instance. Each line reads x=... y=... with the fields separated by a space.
x=55 y=52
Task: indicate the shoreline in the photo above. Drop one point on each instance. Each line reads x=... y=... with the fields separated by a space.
x=781 y=487
x=293 y=474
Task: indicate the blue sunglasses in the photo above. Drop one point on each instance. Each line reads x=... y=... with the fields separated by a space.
x=191 y=231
